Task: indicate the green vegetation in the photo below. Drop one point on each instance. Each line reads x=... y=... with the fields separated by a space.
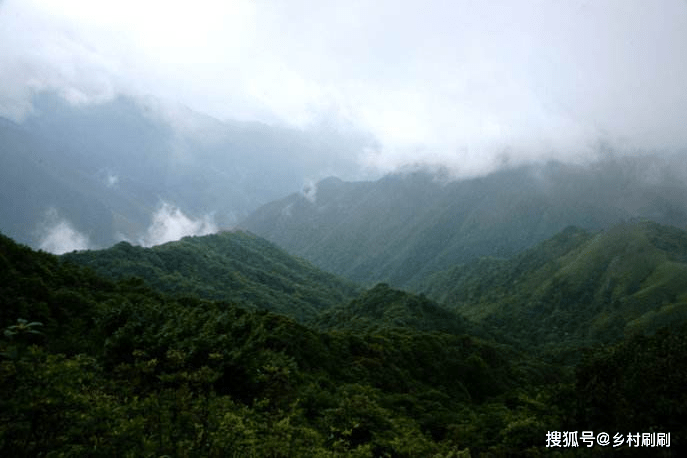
x=636 y=385
x=382 y=308
x=403 y=227
x=121 y=366
x=229 y=266
x=575 y=289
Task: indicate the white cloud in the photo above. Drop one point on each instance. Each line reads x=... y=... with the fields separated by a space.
x=453 y=82
x=59 y=236
x=170 y=224
x=111 y=180
x=309 y=191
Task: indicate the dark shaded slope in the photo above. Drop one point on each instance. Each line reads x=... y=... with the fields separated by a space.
x=142 y=371
x=384 y=308
x=35 y=286
x=636 y=383
x=403 y=227
x=229 y=266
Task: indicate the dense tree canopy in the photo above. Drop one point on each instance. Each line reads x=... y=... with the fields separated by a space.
x=229 y=266
x=91 y=366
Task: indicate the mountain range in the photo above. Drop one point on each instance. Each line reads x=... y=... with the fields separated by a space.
x=107 y=169
x=384 y=372
x=414 y=315
x=178 y=347
x=574 y=289
x=404 y=227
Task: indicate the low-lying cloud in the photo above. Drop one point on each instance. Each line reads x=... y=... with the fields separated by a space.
x=58 y=236
x=470 y=85
x=309 y=191
x=170 y=224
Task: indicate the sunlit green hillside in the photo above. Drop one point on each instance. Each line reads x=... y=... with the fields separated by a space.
x=577 y=287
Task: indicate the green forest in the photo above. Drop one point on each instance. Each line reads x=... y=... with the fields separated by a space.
x=226 y=345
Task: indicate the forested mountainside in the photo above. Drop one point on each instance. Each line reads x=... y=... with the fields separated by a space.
x=576 y=288
x=90 y=366
x=93 y=366
x=382 y=307
x=403 y=227
x=229 y=266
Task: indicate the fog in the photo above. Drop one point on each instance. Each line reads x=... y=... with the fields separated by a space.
x=58 y=235
x=170 y=223
x=471 y=85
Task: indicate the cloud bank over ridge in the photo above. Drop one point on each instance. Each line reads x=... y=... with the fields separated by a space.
x=468 y=84
x=58 y=235
x=169 y=223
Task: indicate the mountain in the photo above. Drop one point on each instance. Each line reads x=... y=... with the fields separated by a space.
x=107 y=168
x=91 y=366
x=229 y=266
x=382 y=307
x=576 y=288
x=33 y=180
x=403 y=227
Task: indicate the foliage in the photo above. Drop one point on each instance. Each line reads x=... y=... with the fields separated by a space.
x=575 y=289
x=637 y=385
x=229 y=266
x=118 y=368
x=406 y=226
x=382 y=307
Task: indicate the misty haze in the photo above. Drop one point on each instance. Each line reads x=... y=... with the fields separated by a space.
x=390 y=228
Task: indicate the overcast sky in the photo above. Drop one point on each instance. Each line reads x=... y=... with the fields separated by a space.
x=466 y=83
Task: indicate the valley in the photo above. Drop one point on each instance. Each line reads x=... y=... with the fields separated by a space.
x=232 y=334
x=343 y=229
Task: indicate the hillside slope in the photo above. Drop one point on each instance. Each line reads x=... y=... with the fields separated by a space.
x=229 y=266
x=403 y=227
x=90 y=366
x=577 y=287
x=382 y=308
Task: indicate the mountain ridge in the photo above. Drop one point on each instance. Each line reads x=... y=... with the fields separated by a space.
x=106 y=168
x=576 y=288
x=389 y=372
x=403 y=227
x=382 y=307
x=230 y=266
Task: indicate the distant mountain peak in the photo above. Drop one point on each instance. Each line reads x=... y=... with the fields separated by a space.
x=404 y=226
